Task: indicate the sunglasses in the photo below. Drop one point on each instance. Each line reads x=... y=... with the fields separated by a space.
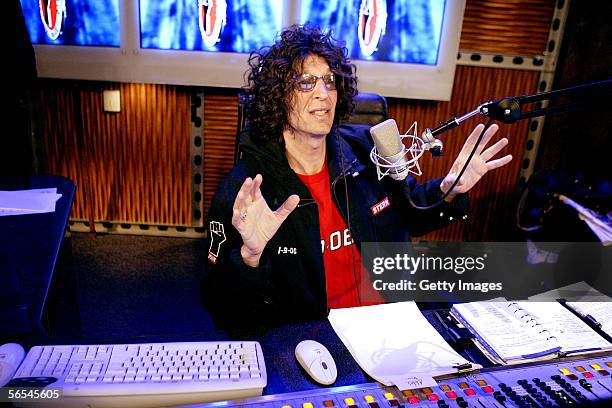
x=307 y=82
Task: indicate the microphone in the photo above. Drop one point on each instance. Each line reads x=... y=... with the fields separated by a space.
x=390 y=148
x=389 y=153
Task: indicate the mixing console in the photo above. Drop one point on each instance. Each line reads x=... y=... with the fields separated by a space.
x=565 y=382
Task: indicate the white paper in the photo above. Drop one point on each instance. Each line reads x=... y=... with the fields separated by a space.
x=411 y=381
x=506 y=330
x=395 y=344
x=35 y=201
x=586 y=301
x=579 y=291
x=516 y=330
x=573 y=334
x=601 y=312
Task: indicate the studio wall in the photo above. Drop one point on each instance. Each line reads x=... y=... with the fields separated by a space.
x=133 y=168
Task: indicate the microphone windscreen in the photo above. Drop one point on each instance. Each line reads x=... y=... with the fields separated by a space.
x=386 y=138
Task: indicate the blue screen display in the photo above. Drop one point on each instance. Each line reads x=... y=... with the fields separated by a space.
x=406 y=31
x=209 y=25
x=73 y=22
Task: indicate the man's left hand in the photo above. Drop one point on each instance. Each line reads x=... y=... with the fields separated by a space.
x=480 y=164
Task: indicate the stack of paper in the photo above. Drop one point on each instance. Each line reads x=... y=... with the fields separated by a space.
x=573 y=334
x=588 y=302
x=396 y=345
x=505 y=332
x=35 y=201
x=576 y=292
x=599 y=313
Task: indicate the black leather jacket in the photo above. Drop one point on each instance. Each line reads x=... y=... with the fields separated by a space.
x=289 y=284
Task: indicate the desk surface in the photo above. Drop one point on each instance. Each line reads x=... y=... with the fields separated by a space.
x=29 y=246
x=284 y=372
x=278 y=345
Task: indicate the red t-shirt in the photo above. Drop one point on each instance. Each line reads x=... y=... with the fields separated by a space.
x=340 y=255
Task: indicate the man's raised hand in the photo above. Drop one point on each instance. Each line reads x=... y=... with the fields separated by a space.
x=254 y=219
x=481 y=162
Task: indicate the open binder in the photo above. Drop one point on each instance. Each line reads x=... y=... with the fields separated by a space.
x=594 y=307
x=597 y=314
x=519 y=332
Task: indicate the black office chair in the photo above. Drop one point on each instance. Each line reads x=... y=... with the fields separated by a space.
x=370 y=109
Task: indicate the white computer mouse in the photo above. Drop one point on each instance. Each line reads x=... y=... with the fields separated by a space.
x=11 y=356
x=316 y=361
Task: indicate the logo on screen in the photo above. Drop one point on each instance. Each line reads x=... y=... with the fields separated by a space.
x=212 y=16
x=372 y=24
x=52 y=14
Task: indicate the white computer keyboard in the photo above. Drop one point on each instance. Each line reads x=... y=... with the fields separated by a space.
x=146 y=375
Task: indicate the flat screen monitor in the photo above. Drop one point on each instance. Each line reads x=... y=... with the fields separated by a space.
x=405 y=31
x=402 y=48
x=210 y=26
x=73 y=22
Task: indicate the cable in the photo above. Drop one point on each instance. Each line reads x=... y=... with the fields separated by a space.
x=452 y=187
x=348 y=215
x=519 y=209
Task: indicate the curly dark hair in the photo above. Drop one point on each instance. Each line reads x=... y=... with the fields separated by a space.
x=270 y=79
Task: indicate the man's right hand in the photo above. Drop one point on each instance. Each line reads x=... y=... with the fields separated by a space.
x=254 y=219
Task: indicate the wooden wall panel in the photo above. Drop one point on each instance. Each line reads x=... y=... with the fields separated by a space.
x=507 y=26
x=133 y=166
x=156 y=158
x=473 y=86
x=62 y=143
x=220 y=124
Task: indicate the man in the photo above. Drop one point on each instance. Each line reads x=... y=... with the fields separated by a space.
x=285 y=224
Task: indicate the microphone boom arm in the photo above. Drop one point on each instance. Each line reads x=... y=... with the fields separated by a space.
x=508 y=110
